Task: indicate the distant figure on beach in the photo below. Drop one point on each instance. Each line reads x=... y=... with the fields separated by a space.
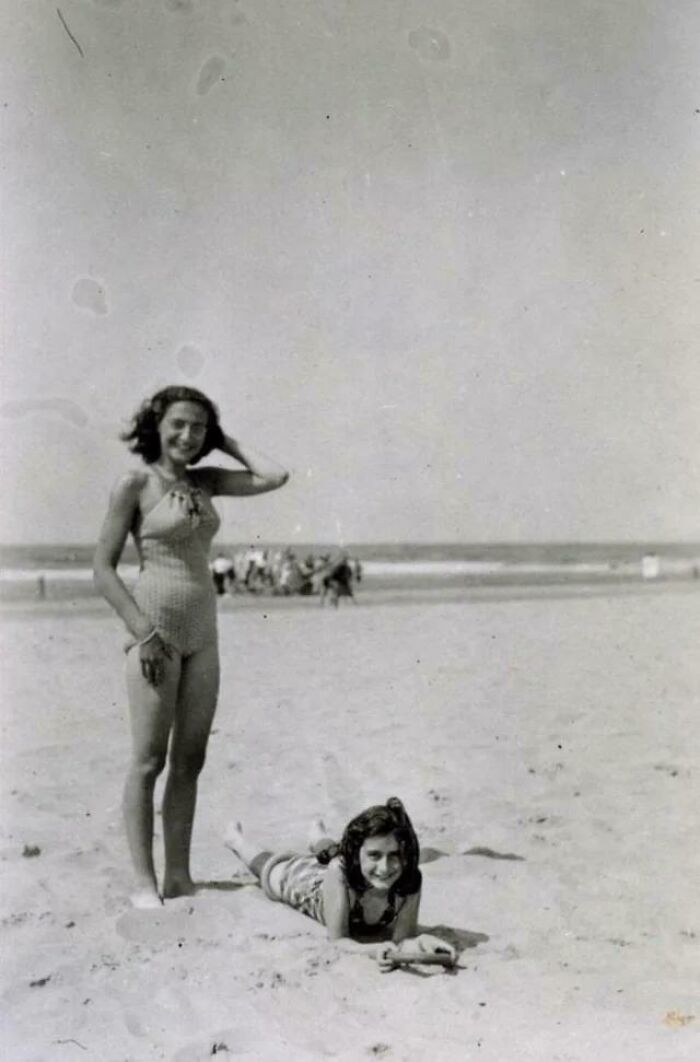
x=172 y=659
x=366 y=889
x=339 y=581
x=256 y=569
x=222 y=572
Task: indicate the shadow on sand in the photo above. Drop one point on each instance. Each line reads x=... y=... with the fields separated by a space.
x=490 y=853
x=224 y=886
x=429 y=855
x=461 y=940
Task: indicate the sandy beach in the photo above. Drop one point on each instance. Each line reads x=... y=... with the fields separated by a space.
x=545 y=747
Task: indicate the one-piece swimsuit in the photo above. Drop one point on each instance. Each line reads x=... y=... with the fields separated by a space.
x=174 y=588
x=301 y=887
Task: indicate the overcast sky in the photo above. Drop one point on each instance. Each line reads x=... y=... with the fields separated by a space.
x=441 y=259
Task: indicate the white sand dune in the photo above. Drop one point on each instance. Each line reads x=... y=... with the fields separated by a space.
x=559 y=732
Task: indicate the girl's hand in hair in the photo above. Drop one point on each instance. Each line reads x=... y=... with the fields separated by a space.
x=385 y=955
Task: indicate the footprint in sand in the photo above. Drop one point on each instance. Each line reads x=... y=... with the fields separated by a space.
x=152 y=927
x=211 y=72
x=181 y=922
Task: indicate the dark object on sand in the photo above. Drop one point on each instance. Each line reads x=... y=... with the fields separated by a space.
x=435 y=958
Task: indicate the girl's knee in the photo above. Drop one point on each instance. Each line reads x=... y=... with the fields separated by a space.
x=187 y=762
x=148 y=765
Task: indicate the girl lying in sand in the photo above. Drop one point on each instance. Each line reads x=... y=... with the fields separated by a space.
x=367 y=888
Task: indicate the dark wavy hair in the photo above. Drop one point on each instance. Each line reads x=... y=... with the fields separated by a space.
x=143 y=437
x=378 y=821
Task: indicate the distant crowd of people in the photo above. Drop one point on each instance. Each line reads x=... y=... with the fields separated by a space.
x=257 y=570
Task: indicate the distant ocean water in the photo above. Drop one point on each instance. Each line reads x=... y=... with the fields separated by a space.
x=62 y=556
x=64 y=572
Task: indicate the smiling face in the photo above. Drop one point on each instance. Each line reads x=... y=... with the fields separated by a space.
x=182 y=431
x=380 y=861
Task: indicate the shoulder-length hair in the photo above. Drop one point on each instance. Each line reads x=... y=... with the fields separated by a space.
x=379 y=821
x=143 y=437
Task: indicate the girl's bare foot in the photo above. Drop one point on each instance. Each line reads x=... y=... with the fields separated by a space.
x=246 y=850
x=146 y=898
x=318 y=837
x=233 y=837
x=317 y=832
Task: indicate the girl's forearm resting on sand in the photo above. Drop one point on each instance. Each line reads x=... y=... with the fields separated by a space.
x=372 y=950
x=410 y=950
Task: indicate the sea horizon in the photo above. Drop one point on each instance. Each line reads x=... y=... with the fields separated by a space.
x=66 y=555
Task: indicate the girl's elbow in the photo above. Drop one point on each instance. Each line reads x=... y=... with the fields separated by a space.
x=101 y=573
x=403 y=933
x=275 y=481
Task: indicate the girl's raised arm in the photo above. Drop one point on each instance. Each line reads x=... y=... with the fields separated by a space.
x=261 y=474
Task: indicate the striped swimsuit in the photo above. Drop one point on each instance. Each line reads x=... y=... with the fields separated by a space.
x=301 y=887
x=174 y=589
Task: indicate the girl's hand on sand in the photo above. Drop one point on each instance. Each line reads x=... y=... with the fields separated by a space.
x=425 y=948
x=153 y=655
x=384 y=956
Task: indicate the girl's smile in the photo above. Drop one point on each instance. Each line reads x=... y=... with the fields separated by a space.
x=380 y=861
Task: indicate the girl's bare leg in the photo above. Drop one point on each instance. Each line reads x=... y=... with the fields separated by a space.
x=194 y=713
x=151 y=711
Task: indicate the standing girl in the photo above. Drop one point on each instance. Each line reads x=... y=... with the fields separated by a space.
x=367 y=888
x=172 y=654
